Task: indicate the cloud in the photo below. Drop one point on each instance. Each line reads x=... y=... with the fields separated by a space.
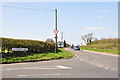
x=115 y=33
x=106 y=10
x=94 y=28
x=101 y=17
x=112 y=35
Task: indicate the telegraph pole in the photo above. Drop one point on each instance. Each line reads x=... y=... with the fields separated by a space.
x=56 y=30
x=61 y=36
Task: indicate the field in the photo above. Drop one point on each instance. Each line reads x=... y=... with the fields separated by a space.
x=39 y=57
x=104 y=45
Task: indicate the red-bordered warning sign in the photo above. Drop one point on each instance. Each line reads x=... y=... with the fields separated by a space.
x=56 y=32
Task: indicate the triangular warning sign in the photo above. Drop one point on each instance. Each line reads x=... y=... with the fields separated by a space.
x=56 y=32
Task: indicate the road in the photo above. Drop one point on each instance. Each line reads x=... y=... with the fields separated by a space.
x=84 y=65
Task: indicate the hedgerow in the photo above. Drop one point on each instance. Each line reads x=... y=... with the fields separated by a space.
x=34 y=46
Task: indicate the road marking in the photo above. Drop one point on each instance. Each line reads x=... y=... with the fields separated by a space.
x=106 y=68
x=22 y=75
x=41 y=67
x=100 y=65
x=109 y=54
x=63 y=67
x=39 y=75
x=27 y=68
x=52 y=74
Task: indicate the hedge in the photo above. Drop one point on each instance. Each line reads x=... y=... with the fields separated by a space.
x=34 y=46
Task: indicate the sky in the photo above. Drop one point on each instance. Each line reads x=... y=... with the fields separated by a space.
x=35 y=20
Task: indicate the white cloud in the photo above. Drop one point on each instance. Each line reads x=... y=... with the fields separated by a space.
x=101 y=17
x=94 y=28
x=112 y=35
x=115 y=34
x=106 y=10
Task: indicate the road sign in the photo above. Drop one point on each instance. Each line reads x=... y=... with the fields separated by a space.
x=60 y=44
x=19 y=49
x=56 y=32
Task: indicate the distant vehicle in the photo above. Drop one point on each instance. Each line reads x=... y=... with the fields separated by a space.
x=60 y=44
x=76 y=48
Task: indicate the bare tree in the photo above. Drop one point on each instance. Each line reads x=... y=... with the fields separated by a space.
x=88 y=38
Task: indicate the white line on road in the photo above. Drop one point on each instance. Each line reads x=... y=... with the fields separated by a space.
x=39 y=75
x=63 y=67
x=100 y=65
x=22 y=75
x=52 y=74
x=41 y=67
x=27 y=68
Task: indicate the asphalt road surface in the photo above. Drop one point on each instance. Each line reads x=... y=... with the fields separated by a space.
x=84 y=65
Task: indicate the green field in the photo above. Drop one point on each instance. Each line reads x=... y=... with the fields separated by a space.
x=104 y=45
x=42 y=56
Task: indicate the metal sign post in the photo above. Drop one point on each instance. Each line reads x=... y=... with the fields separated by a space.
x=55 y=31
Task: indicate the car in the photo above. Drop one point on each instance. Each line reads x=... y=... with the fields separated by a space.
x=76 y=48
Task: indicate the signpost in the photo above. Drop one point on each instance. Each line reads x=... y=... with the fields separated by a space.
x=19 y=49
x=60 y=44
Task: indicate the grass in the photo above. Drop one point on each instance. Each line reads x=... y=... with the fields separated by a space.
x=37 y=57
x=113 y=51
x=110 y=45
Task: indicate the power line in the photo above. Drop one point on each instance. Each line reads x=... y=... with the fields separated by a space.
x=27 y=8
x=8 y=6
x=29 y=5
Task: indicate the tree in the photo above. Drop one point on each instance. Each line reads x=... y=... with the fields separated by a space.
x=49 y=40
x=64 y=43
x=72 y=46
x=88 y=38
x=67 y=45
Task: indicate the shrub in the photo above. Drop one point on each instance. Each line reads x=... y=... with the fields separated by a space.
x=34 y=46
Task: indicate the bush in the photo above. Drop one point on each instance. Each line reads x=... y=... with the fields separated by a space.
x=34 y=46
x=36 y=57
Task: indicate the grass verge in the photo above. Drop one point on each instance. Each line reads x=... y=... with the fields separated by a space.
x=113 y=51
x=39 y=57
